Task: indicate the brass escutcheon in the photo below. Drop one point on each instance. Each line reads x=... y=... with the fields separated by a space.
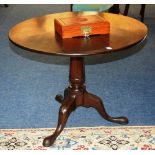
x=86 y=29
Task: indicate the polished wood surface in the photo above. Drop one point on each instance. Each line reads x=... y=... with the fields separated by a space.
x=38 y=34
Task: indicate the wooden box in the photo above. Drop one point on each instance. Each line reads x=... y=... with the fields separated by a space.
x=81 y=26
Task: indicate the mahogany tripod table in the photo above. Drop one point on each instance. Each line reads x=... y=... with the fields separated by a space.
x=38 y=35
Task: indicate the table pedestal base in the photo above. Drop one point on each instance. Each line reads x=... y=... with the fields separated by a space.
x=76 y=95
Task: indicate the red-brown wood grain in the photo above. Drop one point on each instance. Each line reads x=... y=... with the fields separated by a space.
x=71 y=26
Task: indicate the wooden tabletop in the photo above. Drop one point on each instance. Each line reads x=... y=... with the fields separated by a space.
x=38 y=34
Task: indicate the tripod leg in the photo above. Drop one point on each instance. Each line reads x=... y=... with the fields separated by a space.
x=60 y=98
x=66 y=108
x=94 y=101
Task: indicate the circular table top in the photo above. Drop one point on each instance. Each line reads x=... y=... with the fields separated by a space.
x=38 y=34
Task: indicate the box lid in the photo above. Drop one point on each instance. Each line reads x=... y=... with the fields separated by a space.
x=81 y=20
